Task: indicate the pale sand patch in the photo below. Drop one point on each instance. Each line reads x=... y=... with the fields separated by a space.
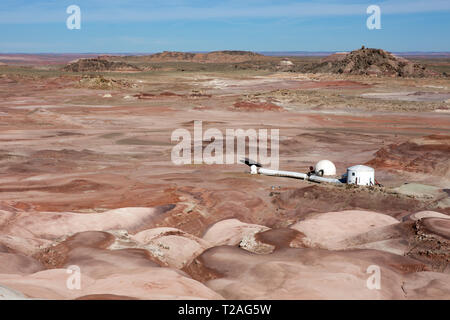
x=9 y=294
x=173 y=247
x=425 y=214
x=148 y=283
x=52 y=225
x=327 y=229
x=27 y=246
x=231 y=232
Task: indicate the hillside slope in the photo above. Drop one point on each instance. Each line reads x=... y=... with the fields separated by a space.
x=366 y=61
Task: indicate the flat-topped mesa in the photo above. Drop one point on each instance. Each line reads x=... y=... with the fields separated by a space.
x=228 y=56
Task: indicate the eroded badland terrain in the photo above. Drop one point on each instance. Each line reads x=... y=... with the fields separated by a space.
x=86 y=177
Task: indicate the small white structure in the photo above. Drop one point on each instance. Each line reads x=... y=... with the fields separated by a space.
x=361 y=175
x=325 y=168
x=286 y=63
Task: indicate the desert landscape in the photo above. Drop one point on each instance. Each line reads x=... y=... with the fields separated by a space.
x=86 y=177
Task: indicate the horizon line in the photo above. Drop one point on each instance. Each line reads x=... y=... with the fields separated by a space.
x=224 y=50
x=210 y=51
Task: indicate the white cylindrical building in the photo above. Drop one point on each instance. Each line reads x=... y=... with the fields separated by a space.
x=361 y=175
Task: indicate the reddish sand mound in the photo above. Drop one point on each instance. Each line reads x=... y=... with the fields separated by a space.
x=125 y=272
x=440 y=227
x=391 y=238
x=303 y=274
x=230 y=232
x=171 y=246
x=52 y=225
x=256 y=106
x=425 y=214
x=427 y=284
x=26 y=246
x=57 y=256
x=16 y=263
x=326 y=230
x=141 y=283
x=430 y=155
x=161 y=246
x=425 y=240
x=281 y=238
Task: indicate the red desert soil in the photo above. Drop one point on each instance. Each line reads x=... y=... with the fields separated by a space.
x=86 y=179
x=429 y=154
x=337 y=84
x=300 y=274
x=145 y=96
x=255 y=106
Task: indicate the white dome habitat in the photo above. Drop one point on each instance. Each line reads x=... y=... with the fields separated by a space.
x=326 y=168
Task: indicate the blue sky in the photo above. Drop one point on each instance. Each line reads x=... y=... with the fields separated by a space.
x=33 y=26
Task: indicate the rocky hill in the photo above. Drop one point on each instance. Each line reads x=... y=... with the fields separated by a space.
x=366 y=61
x=98 y=64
